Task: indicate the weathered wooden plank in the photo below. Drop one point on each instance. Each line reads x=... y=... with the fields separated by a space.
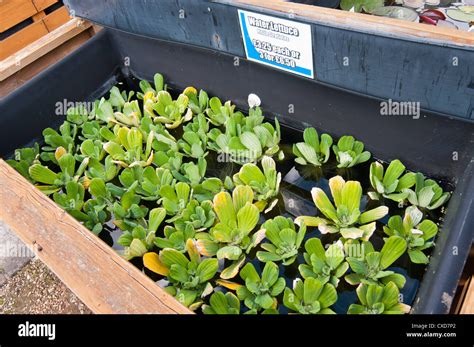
x=103 y=280
x=467 y=306
x=43 y=4
x=364 y=22
x=56 y=18
x=29 y=71
x=22 y=38
x=41 y=46
x=13 y=12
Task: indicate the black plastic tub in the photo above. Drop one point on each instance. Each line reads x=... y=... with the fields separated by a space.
x=438 y=146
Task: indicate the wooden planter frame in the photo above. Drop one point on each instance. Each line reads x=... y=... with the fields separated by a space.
x=103 y=280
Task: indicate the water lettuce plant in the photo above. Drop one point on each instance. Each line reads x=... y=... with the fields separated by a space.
x=392 y=183
x=372 y=269
x=72 y=198
x=141 y=238
x=193 y=143
x=53 y=140
x=284 y=240
x=427 y=193
x=310 y=296
x=345 y=216
x=175 y=198
x=326 y=265
x=265 y=184
x=350 y=152
x=127 y=148
x=128 y=212
x=418 y=233
x=23 y=159
x=53 y=181
x=313 y=150
x=93 y=215
x=189 y=275
x=221 y=303
x=170 y=112
x=376 y=299
x=217 y=113
x=106 y=170
x=246 y=139
x=195 y=217
x=198 y=216
x=259 y=293
x=231 y=236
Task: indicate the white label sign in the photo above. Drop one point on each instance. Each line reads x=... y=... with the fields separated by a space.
x=281 y=43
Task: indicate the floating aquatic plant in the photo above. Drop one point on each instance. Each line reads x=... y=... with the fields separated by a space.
x=310 y=296
x=246 y=139
x=221 y=303
x=259 y=293
x=141 y=238
x=391 y=184
x=361 y=5
x=372 y=269
x=127 y=148
x=314 y=150
x=52 y=181
x=427 y=193
x=344 y=216
x=265 y=184
x=189 y=275
x=376 y=299
x=326 y=265
x=285 y=241
x=23 y=159
x=350 y=152
x=231 y=237
x=418 y=233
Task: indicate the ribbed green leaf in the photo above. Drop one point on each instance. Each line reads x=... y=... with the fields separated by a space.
x=270 y=273
x=312 y=290
x=224 y=208
x=428 y=228
x=393 y=248
x=247 y=217
x=169 y=256
x=394 y=171
x=373 y=215
x=328 y=296
x=207 y=269
x=323 y=203
x=351 y=195
x=42 y=174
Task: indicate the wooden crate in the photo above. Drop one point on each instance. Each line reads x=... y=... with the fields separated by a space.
x=32 y=59
x=28 y=20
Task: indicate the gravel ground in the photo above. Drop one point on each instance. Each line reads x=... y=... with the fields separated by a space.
x=34 y=289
